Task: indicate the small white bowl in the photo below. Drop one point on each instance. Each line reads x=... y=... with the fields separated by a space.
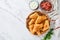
x=33 y=5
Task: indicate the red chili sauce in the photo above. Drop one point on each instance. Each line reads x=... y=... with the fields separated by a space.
x=46 y=5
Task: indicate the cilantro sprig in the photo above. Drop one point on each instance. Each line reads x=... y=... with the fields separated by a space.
x=49 y=34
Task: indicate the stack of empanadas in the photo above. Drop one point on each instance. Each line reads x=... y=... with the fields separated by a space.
x=38 y=23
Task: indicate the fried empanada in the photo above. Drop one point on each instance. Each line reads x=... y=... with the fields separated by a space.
x=43 y=17
x=34 y=15
x=31 y=21
x=46 y=25
x=37 y=27
x=31 y=27
x=38 y=20
x=38 y=33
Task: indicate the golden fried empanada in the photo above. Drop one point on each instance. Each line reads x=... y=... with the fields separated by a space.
x=38 y=20
x=34 y=16
x=38 y=33
x=37 y=27
x=46 y=25
x=43 y=17
x=31 y=21
x=31 y=27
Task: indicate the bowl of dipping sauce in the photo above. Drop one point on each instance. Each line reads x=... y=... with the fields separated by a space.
x=33 y=5
x=46 y=6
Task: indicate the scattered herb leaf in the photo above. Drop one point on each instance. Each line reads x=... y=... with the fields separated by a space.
x=48 y=35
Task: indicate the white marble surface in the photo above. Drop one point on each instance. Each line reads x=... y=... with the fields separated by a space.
x=12 y=25
x=12 y=20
